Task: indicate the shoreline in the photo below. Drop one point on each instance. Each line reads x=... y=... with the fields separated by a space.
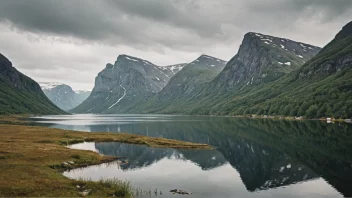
x=20 y=119
x=32 y=159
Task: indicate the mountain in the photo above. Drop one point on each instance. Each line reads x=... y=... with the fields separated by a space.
x=20 y=94
x=322 y=87
x=184 y=84
x=200 y=71
x=127 y=83
x=261 y=59
x=62 y=95
x=140 y=156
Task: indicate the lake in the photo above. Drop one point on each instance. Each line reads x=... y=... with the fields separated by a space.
x=253 y=157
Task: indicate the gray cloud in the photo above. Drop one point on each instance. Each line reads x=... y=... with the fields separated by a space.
x=149 y=22
x=82 y=35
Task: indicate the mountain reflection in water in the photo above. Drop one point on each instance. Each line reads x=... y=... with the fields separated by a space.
x=266 y=154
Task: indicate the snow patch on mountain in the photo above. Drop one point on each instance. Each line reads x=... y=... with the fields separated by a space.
x=49 y=85
x=132 y=59
x=124 y=94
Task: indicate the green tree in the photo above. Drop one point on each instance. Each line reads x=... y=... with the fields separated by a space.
x=328 y=112
x=322 y=110
x=312 y=111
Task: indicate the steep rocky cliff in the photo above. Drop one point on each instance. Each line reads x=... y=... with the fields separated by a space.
x=128 y=82
x=20 y=94
x=262 y=58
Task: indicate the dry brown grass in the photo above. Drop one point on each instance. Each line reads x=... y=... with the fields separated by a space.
x=31 y=159
x=13 y=119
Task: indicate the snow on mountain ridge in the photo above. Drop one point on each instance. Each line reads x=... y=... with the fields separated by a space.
x=49 y=85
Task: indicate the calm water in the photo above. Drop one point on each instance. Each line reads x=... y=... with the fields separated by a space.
x=254 y=157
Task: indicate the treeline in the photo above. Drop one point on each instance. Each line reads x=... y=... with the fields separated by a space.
x=314 y=98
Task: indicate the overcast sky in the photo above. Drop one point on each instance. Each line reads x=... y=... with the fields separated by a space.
x=70 y=41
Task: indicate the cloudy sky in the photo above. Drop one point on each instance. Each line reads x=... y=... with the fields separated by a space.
x=70 y=41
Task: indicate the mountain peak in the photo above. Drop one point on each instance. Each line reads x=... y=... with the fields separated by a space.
x=206 y=60
x=133 y=59
x=277 y=41
x=205 y=56
x=263 y=58
x=4 y=61
x=209 y=57
x=346 y=31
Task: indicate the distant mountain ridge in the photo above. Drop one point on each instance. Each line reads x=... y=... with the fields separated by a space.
x=20 y=94
x=128 y=82
x=63 y=95
x=268 y=76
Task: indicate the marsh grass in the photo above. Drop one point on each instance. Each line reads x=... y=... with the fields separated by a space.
x=33 y=158
x=117 y=188
x=120 y=188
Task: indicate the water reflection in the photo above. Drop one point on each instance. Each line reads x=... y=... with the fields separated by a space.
x=264 y=154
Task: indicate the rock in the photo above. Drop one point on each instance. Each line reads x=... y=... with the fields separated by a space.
x=81 y=187
x=85 y=192
x=125 y=161
x=180 y=192
x=119 y=161
x=71 y=162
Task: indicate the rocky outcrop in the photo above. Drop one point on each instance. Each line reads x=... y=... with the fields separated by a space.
x=327 y=67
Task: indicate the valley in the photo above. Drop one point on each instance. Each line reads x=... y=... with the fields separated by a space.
x=176 y=98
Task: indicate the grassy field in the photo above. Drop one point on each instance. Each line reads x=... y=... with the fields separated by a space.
x=33 y=158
